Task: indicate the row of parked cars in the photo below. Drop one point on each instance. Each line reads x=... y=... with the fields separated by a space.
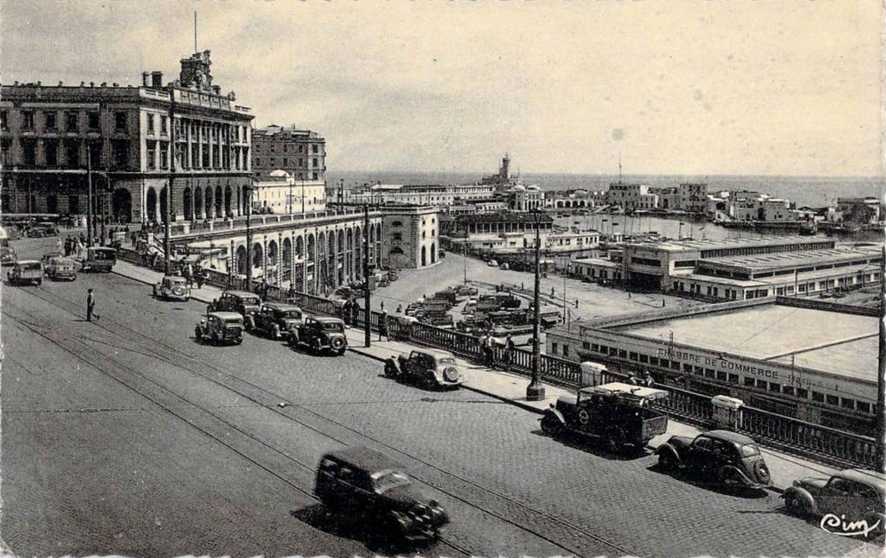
x=366 y=485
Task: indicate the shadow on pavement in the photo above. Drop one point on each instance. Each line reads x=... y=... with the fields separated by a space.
x=594 y=446
x=685 y=476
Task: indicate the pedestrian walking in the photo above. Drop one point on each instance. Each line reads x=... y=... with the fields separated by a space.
x=199 y=276
x=382 y=306
x=90 y=306
x=383 y=324
x=346 y=312
x=355 y=310
x=399 y=309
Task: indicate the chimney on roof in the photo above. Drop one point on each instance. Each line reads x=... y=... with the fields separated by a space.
x=39 y=83
x=60 y=83
x=146 y=79
x=82 y=84
x=91 y=84
x=104 y=84
x=157 y=80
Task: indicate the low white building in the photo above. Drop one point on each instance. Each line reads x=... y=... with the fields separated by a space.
x=281 y=194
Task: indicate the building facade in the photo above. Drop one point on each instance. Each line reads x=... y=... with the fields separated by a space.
x=436 y=195
x=301 y=153
x=631 y=197
x=411 y=237
x=526 y=198
x=280 y=193
x=136 y=143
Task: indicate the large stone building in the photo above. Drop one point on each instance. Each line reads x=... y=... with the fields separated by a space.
x=437 y=195
x=631 y=197
x=137 y=140
x=410 y=237
x=301 y=153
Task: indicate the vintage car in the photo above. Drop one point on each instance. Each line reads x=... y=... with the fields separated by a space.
x=277 y=319
x=220 y=327
x=727 y=458
x=57 y=267
x=99 y=258
x=853 y=494
x=617 y=414
x=369 y=487
x=320 y=334
x=172 y=287
x=427 y=368
x=244 y=302
x=25 y=271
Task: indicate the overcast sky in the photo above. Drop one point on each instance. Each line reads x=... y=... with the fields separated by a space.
x=675 y=86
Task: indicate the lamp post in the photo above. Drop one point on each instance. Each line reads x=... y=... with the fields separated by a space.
x=535 y=391
x=367 y=337
x=249 y=187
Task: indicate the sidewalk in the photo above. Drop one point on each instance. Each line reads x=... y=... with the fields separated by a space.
x=510 y=388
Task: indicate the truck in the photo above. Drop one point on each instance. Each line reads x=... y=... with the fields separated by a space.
x=616 y=414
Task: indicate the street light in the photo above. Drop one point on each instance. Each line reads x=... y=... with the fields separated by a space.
x=249 y=188
x=535 y=391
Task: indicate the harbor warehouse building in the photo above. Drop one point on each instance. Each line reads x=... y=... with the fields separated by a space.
x=773 y=354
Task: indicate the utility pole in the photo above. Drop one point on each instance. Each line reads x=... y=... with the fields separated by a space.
x=167 y=244
x=89 y=223
x=367 y=338
x=248 y=189
x=881 y=370
x=535 y=391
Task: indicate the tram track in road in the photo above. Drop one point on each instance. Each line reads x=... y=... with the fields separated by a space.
x=572 y=538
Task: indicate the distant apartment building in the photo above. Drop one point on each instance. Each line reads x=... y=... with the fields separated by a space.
x=631 y=197
x=570 y=199
x=301 y=153
x=693 y=196
x=139 y=142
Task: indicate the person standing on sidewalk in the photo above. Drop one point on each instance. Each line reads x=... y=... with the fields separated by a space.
x=509 y=352
x=90 y=306
x=383 y=323
x=489 y=350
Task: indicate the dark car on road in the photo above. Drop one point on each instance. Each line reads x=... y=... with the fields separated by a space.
x=723 y=457
x=220 y=327
x=427 y=368
x=370 y=487
x=242 y=302
x=617 y=414
x=320 y=334
x=853 y=495
x=277 y=320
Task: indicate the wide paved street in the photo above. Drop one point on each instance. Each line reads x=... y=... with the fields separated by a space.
x=125 y=436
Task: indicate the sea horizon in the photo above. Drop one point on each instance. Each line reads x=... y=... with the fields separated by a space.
x=812 y=191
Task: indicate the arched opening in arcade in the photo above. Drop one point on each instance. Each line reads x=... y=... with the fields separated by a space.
x=207 y=203
x=228 y=195
x=198 y=203
x=424 y=256
x=219 y=202
x=121 y=205
x=151 y=205
x=163 y=210
x=258 y=256
x=286 y=261
x=187 y=207
x=241 y=260
x=433 y=252
x=271 y=263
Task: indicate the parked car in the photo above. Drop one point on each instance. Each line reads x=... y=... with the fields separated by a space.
x=244 y=302
x=278 y=320
x=321 y=334
x=58 y=267
x=720 y=456
x=492 y=263
x=856 y=494
x=428 y=368
x=504 y=266
x=220 y=327
x=616 y=413
x=25 y=271
x=172 y=287
x=368 y=486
